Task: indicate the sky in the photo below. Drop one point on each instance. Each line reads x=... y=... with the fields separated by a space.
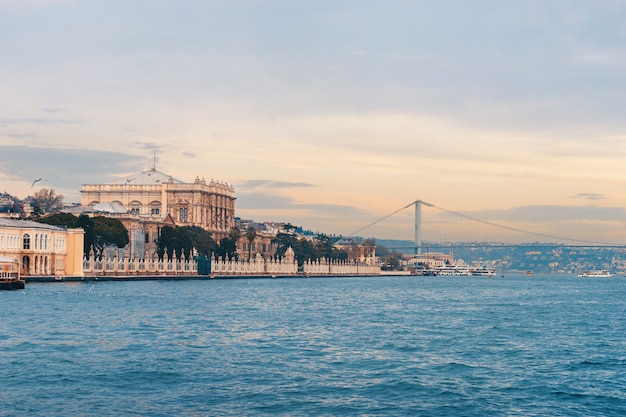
x=328 y=114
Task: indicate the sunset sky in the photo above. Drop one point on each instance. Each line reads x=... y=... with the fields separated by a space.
x=328 y=114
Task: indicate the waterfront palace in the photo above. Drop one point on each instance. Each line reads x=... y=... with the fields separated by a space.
x=42 y=249
x=146 y=201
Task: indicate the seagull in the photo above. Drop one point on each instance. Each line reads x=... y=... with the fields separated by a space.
x=37 y=180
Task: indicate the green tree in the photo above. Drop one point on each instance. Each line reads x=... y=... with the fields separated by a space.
x=227 y=248
x=86 y=223
x=183 y=240
x=201 y=240
x=174 y=240
x=108 y=232
x=235 y=233
x=70 y=221
x=250 y=236
x=306 y=249
x=282 y=242
x=60 y=219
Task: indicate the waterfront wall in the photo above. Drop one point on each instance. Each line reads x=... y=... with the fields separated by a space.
x=322 y=267
x=114 y=266
x=287 y=266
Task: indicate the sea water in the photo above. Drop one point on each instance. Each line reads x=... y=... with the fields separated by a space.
x=384 y=346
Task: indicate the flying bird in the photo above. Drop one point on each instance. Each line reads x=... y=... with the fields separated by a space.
x=37 y=180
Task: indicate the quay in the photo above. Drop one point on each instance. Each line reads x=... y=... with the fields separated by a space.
x=105 y=278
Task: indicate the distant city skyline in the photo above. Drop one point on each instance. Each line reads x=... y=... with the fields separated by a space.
x=325 y=114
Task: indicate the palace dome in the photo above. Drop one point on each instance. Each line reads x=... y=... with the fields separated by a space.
x=151 y=177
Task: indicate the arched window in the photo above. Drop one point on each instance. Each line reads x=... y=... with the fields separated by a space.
x=26 y=241
x=155 y=208
x=135 y=207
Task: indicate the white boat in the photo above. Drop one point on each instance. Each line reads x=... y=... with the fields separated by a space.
x=600 y=273
x=483 y=272
x=453 y=270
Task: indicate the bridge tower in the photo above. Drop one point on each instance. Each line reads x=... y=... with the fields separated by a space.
x=418 y=225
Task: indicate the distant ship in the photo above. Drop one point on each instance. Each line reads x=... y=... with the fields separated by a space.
x=600 y=273
x=453 y=270
x=529 y=273
x=461 y=270
x=483 y=272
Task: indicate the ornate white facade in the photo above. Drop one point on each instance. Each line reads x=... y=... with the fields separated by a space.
x=148 y=200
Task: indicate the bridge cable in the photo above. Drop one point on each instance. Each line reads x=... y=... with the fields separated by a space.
x=381 y=219
x=513 y=229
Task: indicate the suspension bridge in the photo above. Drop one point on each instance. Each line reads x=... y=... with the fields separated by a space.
x=437 y=226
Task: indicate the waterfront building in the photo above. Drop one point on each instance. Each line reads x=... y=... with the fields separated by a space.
x=429 y=260
x=263 y=242
x=42 y=249
x=147 y=201
x=358 y=249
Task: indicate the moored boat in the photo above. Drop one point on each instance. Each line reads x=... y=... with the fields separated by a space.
x=600 y=273
x=10 y=274
x=11 y=284
x=453 y=270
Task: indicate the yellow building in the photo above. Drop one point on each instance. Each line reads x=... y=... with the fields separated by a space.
x=42 y=249
x=149 y=200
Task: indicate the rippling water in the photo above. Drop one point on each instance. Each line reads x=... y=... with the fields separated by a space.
x=434 y=346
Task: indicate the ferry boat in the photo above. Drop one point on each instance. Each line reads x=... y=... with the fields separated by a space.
x=453 y=270
x=483 y=272
x=600 y=273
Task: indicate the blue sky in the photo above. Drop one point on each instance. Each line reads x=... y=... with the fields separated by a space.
x=328 y=114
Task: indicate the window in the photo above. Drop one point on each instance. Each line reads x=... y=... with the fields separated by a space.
x=155 y=210
x=134 y=210
x=182 y=215
x=147 y=237
x=26 y=241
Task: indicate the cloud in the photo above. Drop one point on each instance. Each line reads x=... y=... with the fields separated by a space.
x=51 y=110
x=65 y=169
x=267 y=201
x=189 y=155
x=40 y=121
x=34 y=3
x=590 y=196
x=271 y=184
x=21 y=135
x=263 y=201
x=150 y=146
x=552 y=213
x=408 y=58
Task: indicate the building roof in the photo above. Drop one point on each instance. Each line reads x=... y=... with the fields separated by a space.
x=150 y=177
x=27 y=224
x=109 y=208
